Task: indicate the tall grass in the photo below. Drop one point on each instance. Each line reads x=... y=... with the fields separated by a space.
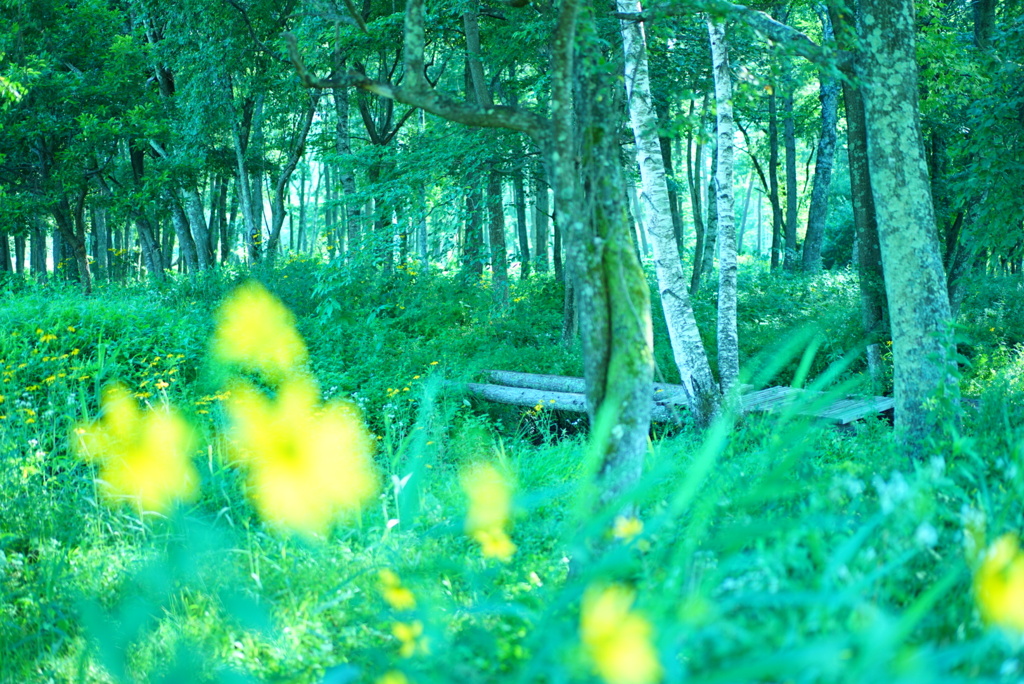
x=768 y=549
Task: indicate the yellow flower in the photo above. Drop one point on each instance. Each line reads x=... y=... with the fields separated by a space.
x=306 y=463
x=256 y=331
x=490 y=503
x=392 y=677
x=394 y=592
x=143 y=455
x=999 y=584
x=410 y=638
x=617 y=640
x=627 y=529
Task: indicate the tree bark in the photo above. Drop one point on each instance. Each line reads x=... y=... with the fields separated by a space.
x=728 y=341
x=874 y=307
x=278 y=211
x=711 y=222
x=343 y=150
x=773 y=180
x=687 y=347
x=496 y=234
x=914 y=280
x=519 y=195
x=818 y=212
x=541 y=216
x=791 y=261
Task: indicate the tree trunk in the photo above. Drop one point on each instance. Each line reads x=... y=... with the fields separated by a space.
x=792 y=191
x=19 y=254
x=728 y=345
x=496 y=235
x=343 y=148
x=473 y=239
x=70 y=220
x=914 y=280
x=5 y=253
x=742 y=224
x=200 y=230
x=687 y=347
x=243 y=193
x=818 y=212
x=694 y=178
x=773 y=180
x=186 y=244
x=874 y=307
x=615 y=323
x=102 y=241
x=37 y=248
x=519 y=195
x=278 y=209
x=541 y=215
x=711 y=224
x=662 y=111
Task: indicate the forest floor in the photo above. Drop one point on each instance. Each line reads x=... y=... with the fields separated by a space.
x=765 y=549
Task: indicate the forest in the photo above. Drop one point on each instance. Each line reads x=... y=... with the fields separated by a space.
x=371 y=341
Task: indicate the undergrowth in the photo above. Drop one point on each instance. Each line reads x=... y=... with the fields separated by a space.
x=770 y=550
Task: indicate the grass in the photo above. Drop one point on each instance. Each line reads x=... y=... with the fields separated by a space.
x=772 y=549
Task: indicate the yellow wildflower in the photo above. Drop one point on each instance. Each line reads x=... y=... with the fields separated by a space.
x=490 y=503
x=143 y=455
x=627 y=528
x=392 y=677
x=617 y=640
x=306 y=464
x=397 y=595
x=256 y=331
x=410 y=637
x=999 y=584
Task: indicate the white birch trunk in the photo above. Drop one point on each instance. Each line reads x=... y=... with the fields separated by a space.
x=687 y=347
x=728 y=345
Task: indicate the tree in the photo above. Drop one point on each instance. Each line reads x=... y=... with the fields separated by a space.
x=914 y=279
x=687 y=347
x=728 y=344
x=613 y=298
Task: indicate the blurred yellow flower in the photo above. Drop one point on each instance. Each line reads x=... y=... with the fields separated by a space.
x=392 y=677
x=410 y=638
x=627 y=528
x=617 y=640
x=999 y=584
x=306 y=463
x=490 y=503
x=256 y=331
x=142 y=455
x=397 y=595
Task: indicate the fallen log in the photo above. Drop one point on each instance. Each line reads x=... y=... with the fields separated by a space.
x=541 y=399
x=566 y=393
x=663 y=393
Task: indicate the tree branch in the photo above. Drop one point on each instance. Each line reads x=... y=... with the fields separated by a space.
x=791 y=39
x=417 y=90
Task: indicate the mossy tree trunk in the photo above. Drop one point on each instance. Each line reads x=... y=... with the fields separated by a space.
x=914 y=279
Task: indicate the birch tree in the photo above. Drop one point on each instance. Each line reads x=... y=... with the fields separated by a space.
x=687 y=347
x=728 y=345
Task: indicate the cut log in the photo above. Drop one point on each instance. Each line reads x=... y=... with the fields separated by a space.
x=564 y=393
x=663 y=393
x=541 y=399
